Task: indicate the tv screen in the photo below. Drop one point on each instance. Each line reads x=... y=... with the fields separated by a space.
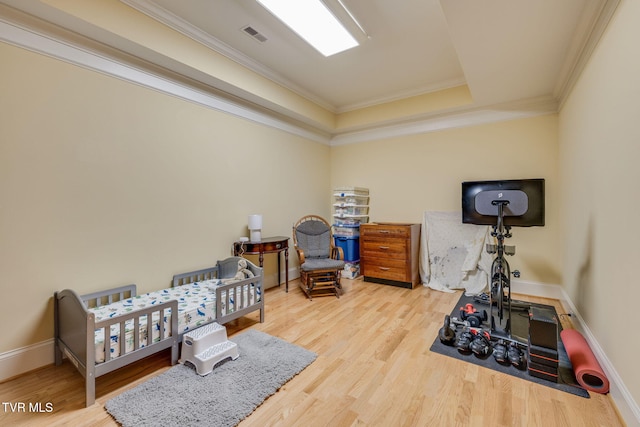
x=525 y=197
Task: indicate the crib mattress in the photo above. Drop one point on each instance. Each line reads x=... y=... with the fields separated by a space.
x=196 y=307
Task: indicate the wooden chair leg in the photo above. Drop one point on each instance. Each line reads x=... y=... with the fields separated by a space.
x=323 y=283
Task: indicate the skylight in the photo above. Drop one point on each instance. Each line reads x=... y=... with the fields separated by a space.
x=314 y=22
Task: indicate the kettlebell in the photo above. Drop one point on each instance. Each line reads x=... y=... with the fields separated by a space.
x=447 y=334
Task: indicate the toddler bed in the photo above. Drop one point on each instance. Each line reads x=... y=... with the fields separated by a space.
x=198 y=298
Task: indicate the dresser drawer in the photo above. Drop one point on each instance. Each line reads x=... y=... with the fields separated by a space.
x=389 y=269
x=385 y=231
x=381 y=248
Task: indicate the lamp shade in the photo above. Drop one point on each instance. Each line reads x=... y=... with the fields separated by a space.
x=255 y=222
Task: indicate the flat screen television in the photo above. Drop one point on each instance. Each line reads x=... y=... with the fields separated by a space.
x=525 y=197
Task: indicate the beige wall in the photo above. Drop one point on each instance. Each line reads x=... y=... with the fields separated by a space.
x=410 y=175
x=600 y=164
x=105 y=183
x=109 y=183
x=147 y=33
x=414 y=106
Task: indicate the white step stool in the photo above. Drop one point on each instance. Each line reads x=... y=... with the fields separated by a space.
x=206 y=346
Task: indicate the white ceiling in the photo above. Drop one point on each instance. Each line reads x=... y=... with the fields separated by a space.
x=505 y=50
x=517 y=57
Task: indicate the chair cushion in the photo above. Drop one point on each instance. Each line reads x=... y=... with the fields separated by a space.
x=312 y=264
x=314 y=238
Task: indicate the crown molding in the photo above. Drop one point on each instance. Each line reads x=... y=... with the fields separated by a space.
x=450 y=119
x=449 y=84
x=31 y=33
x=595 y=28
x=176 y=23
x=65 y=50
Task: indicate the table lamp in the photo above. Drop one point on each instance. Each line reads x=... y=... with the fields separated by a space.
x=255 y=227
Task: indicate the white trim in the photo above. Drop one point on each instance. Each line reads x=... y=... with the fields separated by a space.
x=451 y=119
x=271 y=281
x=537 y=289
x=626 y=405
x=25 y=359
x=174 y=22
x=569 y=75
x=571 y=71
x=40 y=43
x=398 y=96
x=627 y=408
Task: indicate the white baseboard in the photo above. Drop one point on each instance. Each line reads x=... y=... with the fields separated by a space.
x=627 y=407
x=25 y=359
x=542 y=290
x=21 y=360
x=271 y=280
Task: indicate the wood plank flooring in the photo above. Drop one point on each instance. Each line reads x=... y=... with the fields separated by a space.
x=374 y=368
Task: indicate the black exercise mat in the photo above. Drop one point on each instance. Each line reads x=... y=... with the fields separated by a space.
x=520 y=327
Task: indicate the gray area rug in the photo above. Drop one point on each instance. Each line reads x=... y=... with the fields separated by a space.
x=180 y=397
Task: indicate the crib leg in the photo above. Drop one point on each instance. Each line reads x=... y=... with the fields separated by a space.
x=57 y=353
x=90 y=389
x=175 y=352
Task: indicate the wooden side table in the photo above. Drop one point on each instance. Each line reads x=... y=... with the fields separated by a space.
x=267 y=245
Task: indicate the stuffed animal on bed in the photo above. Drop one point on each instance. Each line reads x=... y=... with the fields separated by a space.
x=243 y=273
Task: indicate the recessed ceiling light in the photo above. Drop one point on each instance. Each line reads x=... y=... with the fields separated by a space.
x=314 y=22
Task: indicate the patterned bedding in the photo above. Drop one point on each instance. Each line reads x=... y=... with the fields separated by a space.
x=196 y=307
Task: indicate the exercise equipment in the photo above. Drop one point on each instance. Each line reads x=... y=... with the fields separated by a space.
x=543 y=328
x=447 y=334
x=588 y=371
x=502 y=204
x=500 y=291
x=481 y=344
x=464 y=340
x=500 y=352
x=516 y=356
x=474 y=317
x=509 y=353
x=457 y=322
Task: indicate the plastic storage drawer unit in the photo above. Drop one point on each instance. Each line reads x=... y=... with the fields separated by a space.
x=348 y=230
x=350 y=209
x=344 y=191
x=350 y=246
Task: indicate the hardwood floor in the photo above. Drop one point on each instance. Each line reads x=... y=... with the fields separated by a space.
x=374 y=368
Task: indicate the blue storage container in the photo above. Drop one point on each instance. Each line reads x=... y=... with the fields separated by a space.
x=350 y=246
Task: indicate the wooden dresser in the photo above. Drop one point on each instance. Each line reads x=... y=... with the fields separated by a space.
x=389 y=253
